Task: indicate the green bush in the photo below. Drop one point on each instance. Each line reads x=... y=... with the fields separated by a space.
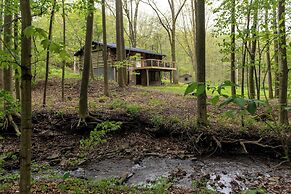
x=97 y=136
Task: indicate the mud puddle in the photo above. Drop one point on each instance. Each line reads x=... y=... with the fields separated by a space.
x=224 y=175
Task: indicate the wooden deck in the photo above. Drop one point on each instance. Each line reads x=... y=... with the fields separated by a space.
x=146 y=64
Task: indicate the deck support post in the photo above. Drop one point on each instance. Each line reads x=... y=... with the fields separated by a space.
x=171 y=77
x=148 y=77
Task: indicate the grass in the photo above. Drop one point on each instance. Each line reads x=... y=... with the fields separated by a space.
x=180 y=89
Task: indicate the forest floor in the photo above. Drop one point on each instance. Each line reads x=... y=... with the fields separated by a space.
x=157 y=128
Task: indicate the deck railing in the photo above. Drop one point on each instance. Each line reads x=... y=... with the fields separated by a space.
x=155 y=63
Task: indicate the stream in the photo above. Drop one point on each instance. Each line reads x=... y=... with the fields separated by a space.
x=222 y=174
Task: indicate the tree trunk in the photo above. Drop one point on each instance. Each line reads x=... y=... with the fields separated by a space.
x=232 y=65
x=64 y=42
x=48 y=53
x=276 y=50
x=268 y=56
x=16 y=73
x=1 y=36
x=173 y=42
x=105 y=54
x=252 y=92
x=283 y=71
x=200 y=57
x=26 y=124
x=120 y=44
x=83 y=103
x=8 y=46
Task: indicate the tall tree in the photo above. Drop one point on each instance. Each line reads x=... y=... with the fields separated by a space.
x=268 y=55
x=276 y=49
x=232 y=35
x=26 y=124
x=169 y=24
x=283 y=70
x=16 y=42
x=7 y=76
x=83 y=103
x=252 y=67
x=120 y=44
x=105 y=54
x=64 y=43
x=1 y=36
x=131 y=8
x=200 y=60
x=48 y=51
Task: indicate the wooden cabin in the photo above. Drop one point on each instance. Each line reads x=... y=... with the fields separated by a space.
x=144 y=67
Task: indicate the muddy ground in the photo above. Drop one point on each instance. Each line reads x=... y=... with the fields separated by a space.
x=158 y=128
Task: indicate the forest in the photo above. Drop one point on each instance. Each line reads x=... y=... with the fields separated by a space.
x=145 y=96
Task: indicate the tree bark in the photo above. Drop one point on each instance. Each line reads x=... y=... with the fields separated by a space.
x=1 y=36
x=105 y=54
x=244 y=55
x=276 y=50
x=26 y=124
x=283 y=71
x=268 y=56
x=7 y=76
x=252 y=92
x=48 y=53
x=200 y=57
x=120 y=44
x=64 y=43
x=16 y=72
x=232 y=36
x=83 y=103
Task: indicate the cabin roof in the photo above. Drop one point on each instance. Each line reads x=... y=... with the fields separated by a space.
x=80 y=52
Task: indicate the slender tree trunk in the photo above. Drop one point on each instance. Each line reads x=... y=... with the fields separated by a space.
x=173 y=42
x=200 y=57
x=83 y=104
x=64 y=42
x=8 y=45
x=232 y=65
x=16 y=73
x=120 y=43
x=283 y=71
x=105 y=54
x=268 y=56
x=48 y=53
x=26 y=124
x=276 y=50
x=253 y=53
x=1 y=36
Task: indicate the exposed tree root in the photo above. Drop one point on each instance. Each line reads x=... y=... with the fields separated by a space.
x=9 y=122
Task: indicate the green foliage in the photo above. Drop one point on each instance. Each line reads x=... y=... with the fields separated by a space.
x=11 y=104
x=160 y=186
x=254 y=191
x=98 y=134
x=131 y=108
x=78 y=185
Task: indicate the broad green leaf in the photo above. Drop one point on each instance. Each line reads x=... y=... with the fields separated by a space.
x=41 y=32
x=252 y=107
x=190 y=88
x=45 y=43
x=226 y=101
x=66 y=175
x=29 y=31
x=200 y=89
x=240 y=102
x=214 y=100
